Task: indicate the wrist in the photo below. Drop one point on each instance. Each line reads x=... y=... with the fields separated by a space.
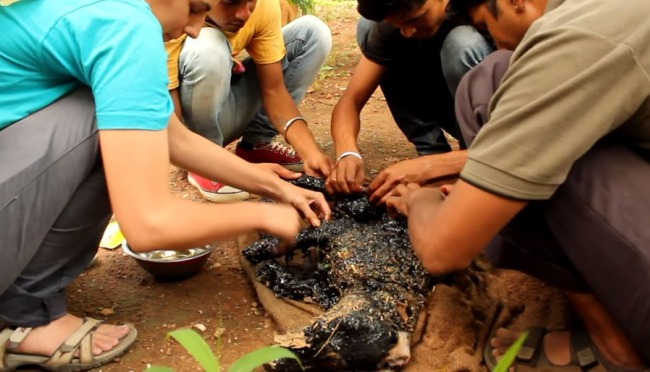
x=270 y=184
x=346 y=154
x=263 y=215
x=290 y=123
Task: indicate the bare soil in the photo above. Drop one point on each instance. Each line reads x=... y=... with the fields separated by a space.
x=221 y=297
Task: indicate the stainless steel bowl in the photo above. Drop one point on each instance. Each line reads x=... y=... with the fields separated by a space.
x=171 y=264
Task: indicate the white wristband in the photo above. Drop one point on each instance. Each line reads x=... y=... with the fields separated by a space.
x=349 y=153
x=289 y=123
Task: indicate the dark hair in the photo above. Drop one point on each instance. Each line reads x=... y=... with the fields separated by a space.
x=378 y=10
x=458 y=10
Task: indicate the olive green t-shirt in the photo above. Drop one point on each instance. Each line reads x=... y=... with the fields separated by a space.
x=580 y=73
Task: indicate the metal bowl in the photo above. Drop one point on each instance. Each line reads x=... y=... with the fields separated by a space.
x=171 y=264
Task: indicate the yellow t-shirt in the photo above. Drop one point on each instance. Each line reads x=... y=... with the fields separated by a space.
x=261 y=37
x=173 y=54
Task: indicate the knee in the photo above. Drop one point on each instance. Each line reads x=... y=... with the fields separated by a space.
x=206 y=57
x=463 y=48
x=488 y=73
x=316 y=34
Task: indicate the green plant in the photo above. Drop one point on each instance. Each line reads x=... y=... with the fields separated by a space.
x=200 y=350
x=306 y=6
x=511 y=354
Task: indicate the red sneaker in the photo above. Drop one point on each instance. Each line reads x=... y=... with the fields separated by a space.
x=273 y=152
x=215 y=191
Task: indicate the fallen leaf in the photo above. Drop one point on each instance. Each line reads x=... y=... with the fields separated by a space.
x=107 y=311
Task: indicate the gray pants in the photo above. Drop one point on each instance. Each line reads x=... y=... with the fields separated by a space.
x=53 y=207
x=592 y=235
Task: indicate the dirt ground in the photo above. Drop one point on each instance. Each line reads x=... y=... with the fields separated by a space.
x=220 y=296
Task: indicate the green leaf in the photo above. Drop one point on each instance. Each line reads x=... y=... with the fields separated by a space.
x=197 y=347
x=259 y=357
x=511 y=354
x=158 y=369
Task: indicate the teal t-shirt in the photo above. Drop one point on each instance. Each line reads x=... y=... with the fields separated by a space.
x=50 y=48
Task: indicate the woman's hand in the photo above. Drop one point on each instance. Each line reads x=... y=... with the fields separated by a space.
x=281 y=220
x=311 y=204
x=278 y=170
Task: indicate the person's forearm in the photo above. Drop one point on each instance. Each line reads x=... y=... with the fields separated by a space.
x=280 y=108
x=302 y=139
x=443 y=165
x=345 y=127
x=448 y=233
x=176 y=98
x=136 y=165
x=194 y=229
x=196 y=154
x=427 y=241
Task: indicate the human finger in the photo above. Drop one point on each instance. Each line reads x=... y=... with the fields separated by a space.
x=352 y=179
x=380 y=194
x=396 y=205
x=321 y=204
x=310 y=202
x=286 y=173
x=447 y=189
x=330 y=183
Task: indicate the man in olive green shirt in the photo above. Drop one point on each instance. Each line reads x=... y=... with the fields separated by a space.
x=556 y=181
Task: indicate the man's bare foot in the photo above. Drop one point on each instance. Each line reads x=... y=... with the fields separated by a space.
x=46 y=339
x=556 y=346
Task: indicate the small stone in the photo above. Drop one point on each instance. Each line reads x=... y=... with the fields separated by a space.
x=201 y=327
x=219 y=332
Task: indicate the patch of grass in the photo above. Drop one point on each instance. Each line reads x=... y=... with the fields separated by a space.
x=511 y=354
x=331 y=10
x=306 y=6
x=200 y=350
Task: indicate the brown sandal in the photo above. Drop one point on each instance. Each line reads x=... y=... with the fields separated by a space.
x=74 y=354
x=531 y=356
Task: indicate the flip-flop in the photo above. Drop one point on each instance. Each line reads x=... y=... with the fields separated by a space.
x=531 y=356
x=64 y=358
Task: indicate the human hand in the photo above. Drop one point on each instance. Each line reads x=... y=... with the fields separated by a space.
x=311 y=204
x=278 y=170
x=399 y=200
x=318 y=164
x=281 y=220
x=346 y=177
x=407 y=171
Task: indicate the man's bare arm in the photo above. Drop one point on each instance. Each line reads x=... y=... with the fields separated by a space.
x=448 y=233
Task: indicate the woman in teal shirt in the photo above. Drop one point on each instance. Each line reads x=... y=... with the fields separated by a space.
x=84 y=115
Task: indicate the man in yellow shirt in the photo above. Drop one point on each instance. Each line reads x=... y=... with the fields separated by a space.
x=223 y=99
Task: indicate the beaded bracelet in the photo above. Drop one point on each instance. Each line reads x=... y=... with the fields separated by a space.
x=349 y=153
x=289 y=123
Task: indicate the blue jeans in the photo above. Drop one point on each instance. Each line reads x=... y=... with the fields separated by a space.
x=419 y=87
x=463 y=49
x=223 y=107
